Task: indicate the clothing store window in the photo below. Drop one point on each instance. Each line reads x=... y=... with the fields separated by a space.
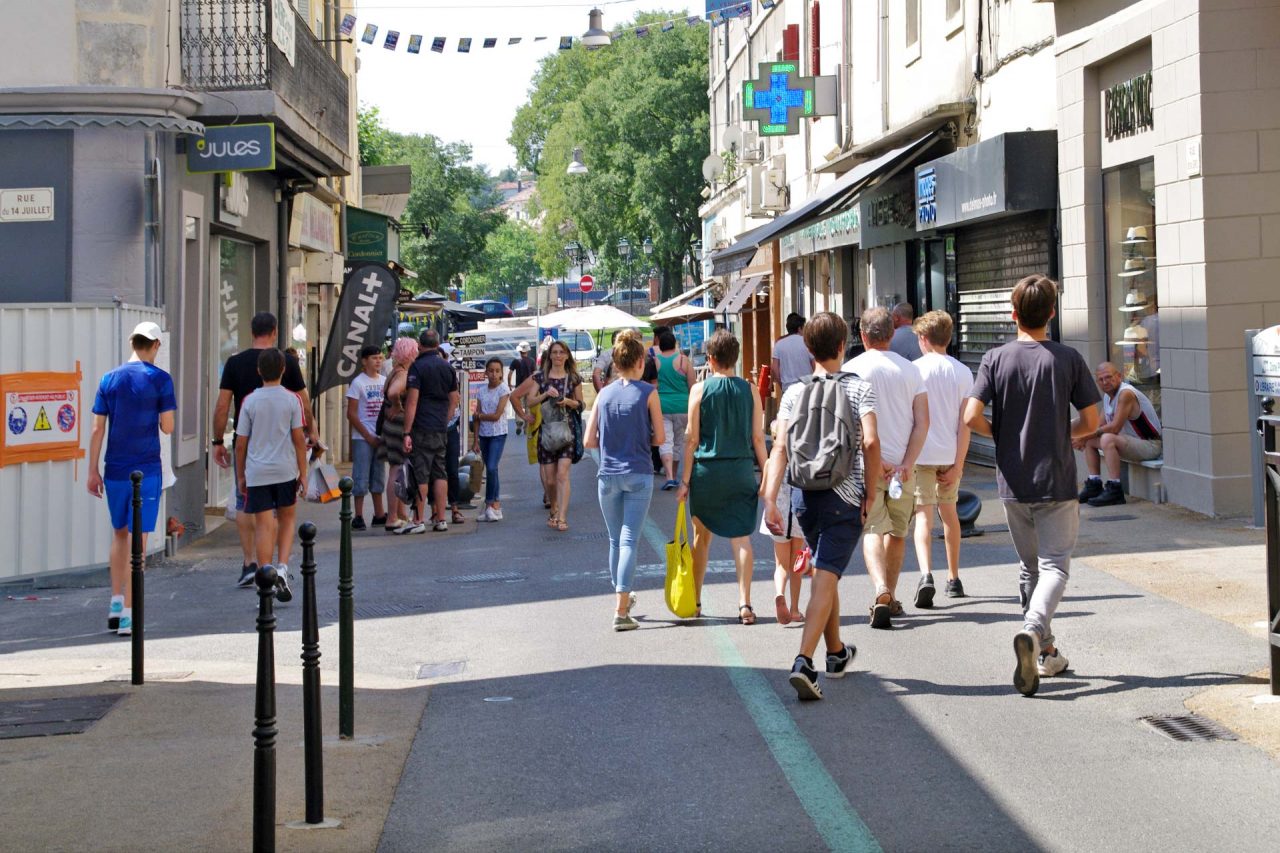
x=1133 y=324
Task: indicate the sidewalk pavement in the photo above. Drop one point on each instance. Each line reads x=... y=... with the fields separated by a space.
x=180 y=738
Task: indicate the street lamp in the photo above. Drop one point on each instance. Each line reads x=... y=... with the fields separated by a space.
x=576 y=254
x=577 y=167
x=647 y=247
x=595 y=37
x=624 y=252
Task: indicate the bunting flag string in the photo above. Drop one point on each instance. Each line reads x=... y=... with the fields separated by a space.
x=391 y=40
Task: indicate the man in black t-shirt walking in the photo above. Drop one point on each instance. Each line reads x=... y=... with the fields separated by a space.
x=240 y=378
x=1031 y=384
x=430 y=403
x=522 y=367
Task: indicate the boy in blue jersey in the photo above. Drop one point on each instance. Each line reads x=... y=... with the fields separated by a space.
x=137 y=400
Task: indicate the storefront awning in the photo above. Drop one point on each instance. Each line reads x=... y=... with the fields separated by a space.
x=681 y=299
x=739 y=255
x=55 y=121
x=738 y=293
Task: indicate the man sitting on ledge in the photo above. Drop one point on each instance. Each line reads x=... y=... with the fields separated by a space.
x=1130 y=431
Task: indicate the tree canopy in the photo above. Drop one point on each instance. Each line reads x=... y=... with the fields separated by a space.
x=638 y=110
x=507 y=266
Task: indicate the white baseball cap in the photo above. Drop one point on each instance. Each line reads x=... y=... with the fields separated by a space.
x=523 y=346
x=148 y=330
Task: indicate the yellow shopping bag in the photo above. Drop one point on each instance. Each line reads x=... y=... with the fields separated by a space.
x=682 y=597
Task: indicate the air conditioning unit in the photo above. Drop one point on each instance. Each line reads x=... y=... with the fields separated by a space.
x=752 y=148
x=773 y=191
x=755 y=191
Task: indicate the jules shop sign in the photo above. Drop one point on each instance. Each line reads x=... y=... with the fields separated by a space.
x=233 y=148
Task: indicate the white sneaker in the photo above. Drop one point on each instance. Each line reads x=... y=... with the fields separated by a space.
x=495 y=514
x=486 y=514
x=1052 y=664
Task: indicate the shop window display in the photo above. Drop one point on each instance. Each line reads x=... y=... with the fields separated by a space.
x=1133 y=319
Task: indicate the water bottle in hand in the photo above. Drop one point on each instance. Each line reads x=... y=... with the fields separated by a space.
x=895 y=487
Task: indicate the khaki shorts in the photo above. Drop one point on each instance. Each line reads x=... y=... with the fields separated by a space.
x=890 y=516
x=1140 y=449
x=928 y=492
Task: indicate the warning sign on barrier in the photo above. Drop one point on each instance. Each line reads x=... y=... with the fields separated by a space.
x=41 y=417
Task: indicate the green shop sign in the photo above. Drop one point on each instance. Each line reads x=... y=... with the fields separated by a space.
x=839 y=229
x=366 y=236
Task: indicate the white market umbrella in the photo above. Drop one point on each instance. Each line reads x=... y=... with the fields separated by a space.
x=683 y=314
x=589 y=318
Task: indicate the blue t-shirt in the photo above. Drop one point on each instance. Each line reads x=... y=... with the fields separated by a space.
x=622 y=418
x=132 y=397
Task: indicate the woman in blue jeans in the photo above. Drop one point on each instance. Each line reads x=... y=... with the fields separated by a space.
x=625 y=423
x=491 y=434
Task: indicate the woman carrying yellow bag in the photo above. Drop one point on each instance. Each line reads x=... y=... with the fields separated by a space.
x=625 y=422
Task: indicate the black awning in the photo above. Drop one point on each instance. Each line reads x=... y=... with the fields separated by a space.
x=52 y=121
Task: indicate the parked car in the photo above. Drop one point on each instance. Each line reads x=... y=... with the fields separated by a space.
x=490 y=307
x=623 y=299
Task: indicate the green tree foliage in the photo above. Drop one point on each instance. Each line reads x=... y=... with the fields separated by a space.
x=454 y=198
x=638 y=109
x=507 y=267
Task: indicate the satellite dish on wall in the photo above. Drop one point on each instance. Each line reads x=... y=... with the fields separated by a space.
x=712 y=168
x=732 y=139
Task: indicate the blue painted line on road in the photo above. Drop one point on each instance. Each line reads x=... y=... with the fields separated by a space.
x=833 y=816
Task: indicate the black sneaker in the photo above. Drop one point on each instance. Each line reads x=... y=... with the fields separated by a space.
x=925 y=591
x=1112 y=495
x=1026 y=675
x=246 y=575
x=1092 y=488
x=378 y=521
x=836 y=664
x=804 y=678
x=357 y=523
x=954 y=588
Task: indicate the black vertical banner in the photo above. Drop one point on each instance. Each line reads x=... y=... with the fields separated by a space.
x=365 y=312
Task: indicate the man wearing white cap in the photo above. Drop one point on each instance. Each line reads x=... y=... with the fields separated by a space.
x=521 y=368
x=137 y=399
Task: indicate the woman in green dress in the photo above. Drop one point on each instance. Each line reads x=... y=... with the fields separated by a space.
x=725 y=441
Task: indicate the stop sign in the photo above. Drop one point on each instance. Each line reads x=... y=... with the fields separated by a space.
x=586 y=283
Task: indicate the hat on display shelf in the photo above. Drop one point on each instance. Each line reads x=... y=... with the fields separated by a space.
x=1135 y=300
x=1133 y=266
x=1135 y=235
x=1133 y=336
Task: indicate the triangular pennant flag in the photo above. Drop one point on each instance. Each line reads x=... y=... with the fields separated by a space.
x=393 y=38
x=464 y=45
x=415 y=44
x=514 y=41
x=566 y=42
x=437 y=44
x=370 y=31
x=768 y=4
x=490 y=43
x=668 y=26
x=348 y=24
x=693 y=20
x=540 y=38
x=641 y=32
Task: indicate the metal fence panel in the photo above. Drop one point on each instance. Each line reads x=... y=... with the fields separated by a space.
x=49 y=523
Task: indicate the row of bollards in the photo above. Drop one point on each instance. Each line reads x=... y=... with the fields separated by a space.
x=265 y=731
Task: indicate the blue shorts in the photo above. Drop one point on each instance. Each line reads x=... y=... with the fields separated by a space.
x=831 y=527
x=274 y=496
x=120 y=502
x=368 y=472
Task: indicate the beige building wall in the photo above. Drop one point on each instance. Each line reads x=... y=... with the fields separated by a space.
x=127 y=43
x=1216 y=142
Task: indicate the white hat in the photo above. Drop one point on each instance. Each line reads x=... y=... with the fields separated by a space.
x=1134 y=300
x=1136 y=234
x=148 y=330
x=1133 y=336
x=523 y=346
x=1133 y=266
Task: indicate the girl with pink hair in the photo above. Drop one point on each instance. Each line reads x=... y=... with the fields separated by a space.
x=403 y=354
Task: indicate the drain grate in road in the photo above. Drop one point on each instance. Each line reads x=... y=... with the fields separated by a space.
x=69 y=715
x=598 y=536
x=1187 y=727
x=374 y=611
x=441 y=670
x=485 y=577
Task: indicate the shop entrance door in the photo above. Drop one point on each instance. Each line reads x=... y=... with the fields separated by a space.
x=232 y=283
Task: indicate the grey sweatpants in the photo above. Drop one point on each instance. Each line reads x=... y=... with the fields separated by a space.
x=1044 y=535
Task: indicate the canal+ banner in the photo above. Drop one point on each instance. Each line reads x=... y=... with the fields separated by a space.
x=365 y=313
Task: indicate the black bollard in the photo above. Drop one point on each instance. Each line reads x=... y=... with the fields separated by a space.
x=346 y=621
x=312 y=728
x=264 y=723
x=135 y=580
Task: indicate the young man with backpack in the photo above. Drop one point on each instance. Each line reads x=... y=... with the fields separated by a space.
x=829 y=451
x=1031 y=384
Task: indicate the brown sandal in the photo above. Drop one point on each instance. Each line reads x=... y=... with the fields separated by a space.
x=562 y=525
x=748 y=618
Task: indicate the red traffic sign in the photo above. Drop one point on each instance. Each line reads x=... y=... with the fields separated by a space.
x=586 y=283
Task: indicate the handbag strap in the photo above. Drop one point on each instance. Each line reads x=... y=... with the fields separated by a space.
x=681 y=536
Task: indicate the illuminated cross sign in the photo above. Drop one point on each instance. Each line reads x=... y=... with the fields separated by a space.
x=781 y=97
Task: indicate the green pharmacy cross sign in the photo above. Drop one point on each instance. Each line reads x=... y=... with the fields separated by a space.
x=779 y=99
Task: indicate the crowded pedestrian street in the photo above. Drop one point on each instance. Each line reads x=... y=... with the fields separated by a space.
x=496 y=710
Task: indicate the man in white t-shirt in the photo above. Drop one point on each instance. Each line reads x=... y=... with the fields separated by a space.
x=941 y=461
x=791 y=358
x=364 y=401
x=902 y=419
